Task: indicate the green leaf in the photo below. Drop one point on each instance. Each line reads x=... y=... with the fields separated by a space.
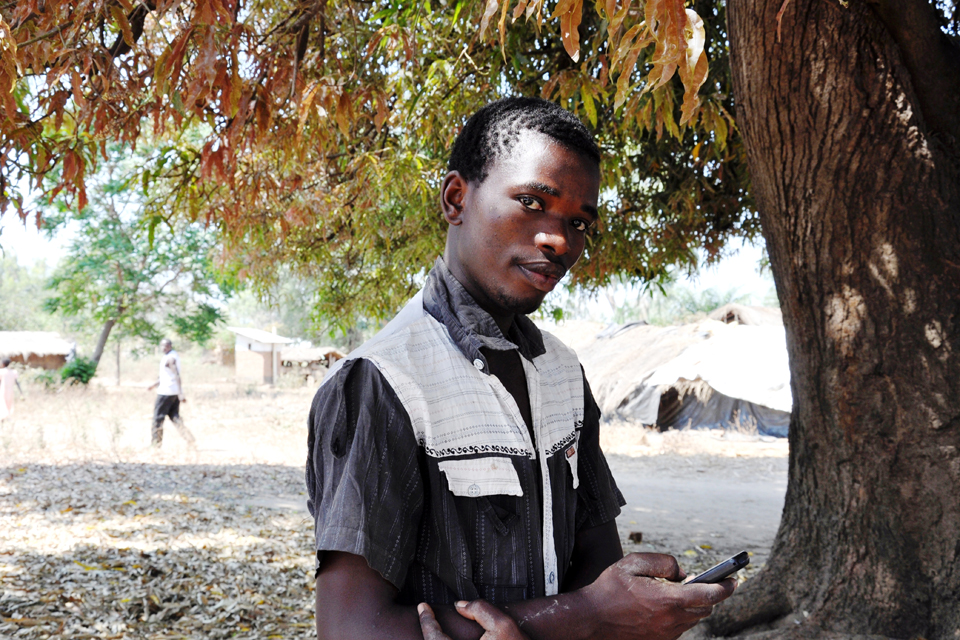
x=588 y=105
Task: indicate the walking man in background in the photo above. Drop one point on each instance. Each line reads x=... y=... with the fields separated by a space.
x=8 y=379
x=169 y=396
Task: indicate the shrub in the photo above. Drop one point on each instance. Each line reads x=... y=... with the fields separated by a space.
x=47 y=379
x=80 y=370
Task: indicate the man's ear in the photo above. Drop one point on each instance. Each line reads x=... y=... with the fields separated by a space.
x=453 y=192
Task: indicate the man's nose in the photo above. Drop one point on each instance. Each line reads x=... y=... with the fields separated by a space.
x=552 y=240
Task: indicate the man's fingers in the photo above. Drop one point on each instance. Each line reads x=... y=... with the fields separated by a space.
x=428 y=624
x=481 y=612
x=711 y=593
x=652 y=565
x=699 y=599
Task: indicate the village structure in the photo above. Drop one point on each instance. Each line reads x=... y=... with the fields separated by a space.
x=257 y=355
x=261 y=357
x=36 y=349
x=728 y=371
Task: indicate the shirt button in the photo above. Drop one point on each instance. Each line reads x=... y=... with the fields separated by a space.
x=473 y=490
x=478 y=363
x=552 y=577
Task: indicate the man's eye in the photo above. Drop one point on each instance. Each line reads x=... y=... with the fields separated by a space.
x=530 y=202
x=580 y=225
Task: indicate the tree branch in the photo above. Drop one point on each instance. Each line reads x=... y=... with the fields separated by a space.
x=931 y=58
x=46 y=34
x=136 y=20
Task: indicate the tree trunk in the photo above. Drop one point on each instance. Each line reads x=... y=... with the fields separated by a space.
x=102 y=340
x=860 y=207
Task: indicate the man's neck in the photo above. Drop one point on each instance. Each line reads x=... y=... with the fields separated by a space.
x=504 y=323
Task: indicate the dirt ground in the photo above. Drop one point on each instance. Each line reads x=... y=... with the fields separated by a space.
x=102 y=537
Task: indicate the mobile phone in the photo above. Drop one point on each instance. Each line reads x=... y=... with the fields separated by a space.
x=720 y=571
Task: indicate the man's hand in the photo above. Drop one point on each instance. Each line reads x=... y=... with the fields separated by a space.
x=182 y=398
x=629 y=602
x=496 y=624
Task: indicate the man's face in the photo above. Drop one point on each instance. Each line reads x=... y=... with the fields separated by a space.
x=514 y=235
x=166 y=346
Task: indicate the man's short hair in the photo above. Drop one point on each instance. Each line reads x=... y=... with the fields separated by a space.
x=492 y=132
x=6 y=362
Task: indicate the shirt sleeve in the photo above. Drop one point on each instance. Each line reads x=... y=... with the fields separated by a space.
x=598 y=498
x=365 y=491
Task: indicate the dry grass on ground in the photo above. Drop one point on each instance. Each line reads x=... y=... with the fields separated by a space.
x=102 y=537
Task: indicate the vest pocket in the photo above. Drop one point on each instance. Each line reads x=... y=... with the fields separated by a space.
x=489 y=476
x=500 y=518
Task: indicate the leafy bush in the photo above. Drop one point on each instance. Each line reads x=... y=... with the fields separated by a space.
x=47 y=379
x=80 y=370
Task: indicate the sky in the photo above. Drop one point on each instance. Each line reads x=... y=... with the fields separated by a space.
x=740 y=270
x=27 y=243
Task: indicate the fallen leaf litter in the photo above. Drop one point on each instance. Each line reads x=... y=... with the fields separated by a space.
x=132 y=550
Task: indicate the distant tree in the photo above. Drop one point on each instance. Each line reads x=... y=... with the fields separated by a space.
x=137 y=274
x=678 y=303
x=21 y=296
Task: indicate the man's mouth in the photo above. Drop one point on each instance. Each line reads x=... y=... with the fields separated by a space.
x=544 y=275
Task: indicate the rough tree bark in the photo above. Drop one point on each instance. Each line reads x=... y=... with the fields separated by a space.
x=855 y=173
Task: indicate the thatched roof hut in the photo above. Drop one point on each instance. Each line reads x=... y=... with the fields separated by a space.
x=40 y=349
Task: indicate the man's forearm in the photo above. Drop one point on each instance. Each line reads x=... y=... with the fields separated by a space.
x=560 y=617
x=355 y=602
x=566 y=616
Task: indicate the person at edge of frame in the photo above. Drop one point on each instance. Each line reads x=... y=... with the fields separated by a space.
x=455 y=456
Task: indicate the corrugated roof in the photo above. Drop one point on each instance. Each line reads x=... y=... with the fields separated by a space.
x=265 y=337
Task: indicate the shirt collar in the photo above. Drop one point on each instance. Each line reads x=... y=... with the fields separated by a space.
x=471 y=327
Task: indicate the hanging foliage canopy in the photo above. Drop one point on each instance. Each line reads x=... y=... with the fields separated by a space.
x=315 y=133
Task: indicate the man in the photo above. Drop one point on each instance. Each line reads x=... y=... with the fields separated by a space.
x=455 y=456
x=8 y=380
x=169 y=396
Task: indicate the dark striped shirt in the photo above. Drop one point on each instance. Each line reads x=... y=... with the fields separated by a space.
x=374 y=492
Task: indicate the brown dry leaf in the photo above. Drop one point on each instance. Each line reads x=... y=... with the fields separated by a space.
x=571 y=14
x=693 y=71
x=488 y=12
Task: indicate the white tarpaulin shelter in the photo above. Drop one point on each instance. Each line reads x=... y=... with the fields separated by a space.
x=743 y=362
x=704 y=375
